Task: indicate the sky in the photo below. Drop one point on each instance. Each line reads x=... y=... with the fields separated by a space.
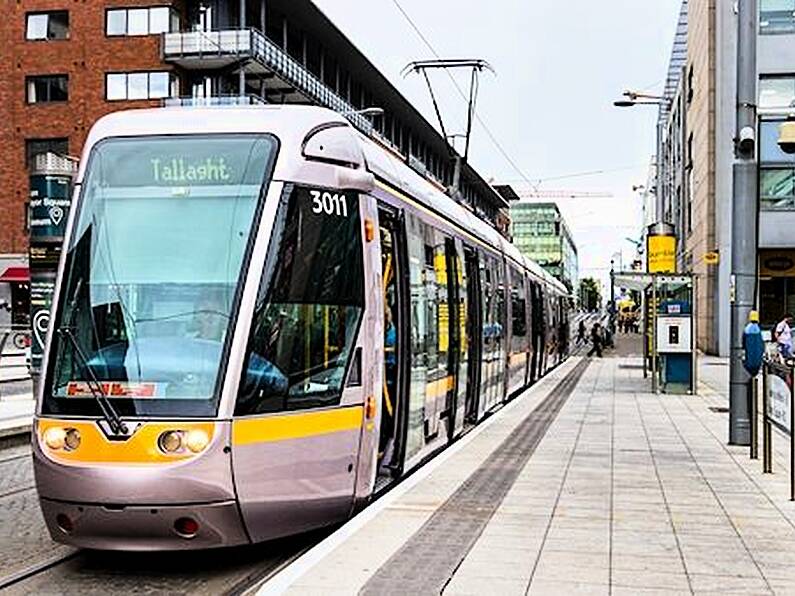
x=559 y=65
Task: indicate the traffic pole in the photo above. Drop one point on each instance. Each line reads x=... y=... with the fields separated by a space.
x=744 y=220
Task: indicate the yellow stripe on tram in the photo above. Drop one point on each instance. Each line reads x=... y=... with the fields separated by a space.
x=248 y=431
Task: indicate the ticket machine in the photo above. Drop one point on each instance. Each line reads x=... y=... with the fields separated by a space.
x=673 y=333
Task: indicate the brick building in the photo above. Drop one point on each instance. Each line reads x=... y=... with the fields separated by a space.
x=65 y=63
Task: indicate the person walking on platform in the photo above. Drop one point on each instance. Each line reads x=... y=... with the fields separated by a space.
x=783 y=336
x=596 y=340
x=581 y=331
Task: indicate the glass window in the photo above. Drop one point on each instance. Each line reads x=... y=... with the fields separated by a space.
x=138 y=21
x=777 y=188
x=116 y=22
x=42 y=89
x=776 y=92
x=152 y=273
x=141 y=21
x=310 y=304
x=139 y=85
x=116 y=86
x=777 y=16
x=159 y=20
x=769 y=151
x=34 y=147
x=47 y=25
x=159 y=85
x=37 y=26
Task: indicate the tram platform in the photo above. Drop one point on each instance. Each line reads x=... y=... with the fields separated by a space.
x=609 y=490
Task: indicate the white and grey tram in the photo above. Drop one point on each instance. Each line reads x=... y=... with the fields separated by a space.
x=261 y=318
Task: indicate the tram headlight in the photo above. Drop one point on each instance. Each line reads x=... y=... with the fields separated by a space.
x=170 y=441
x=196 y=440
x=55 y=437
x=72 y=439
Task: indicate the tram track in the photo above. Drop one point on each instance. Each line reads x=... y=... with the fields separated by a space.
x=233 y=572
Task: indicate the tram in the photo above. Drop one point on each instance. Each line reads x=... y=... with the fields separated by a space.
x=262 y=318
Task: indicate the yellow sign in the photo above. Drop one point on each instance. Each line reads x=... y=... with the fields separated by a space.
x=661 y=252
x=712 y=258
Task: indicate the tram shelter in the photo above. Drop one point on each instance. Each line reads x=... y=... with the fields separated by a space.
x=668 y=307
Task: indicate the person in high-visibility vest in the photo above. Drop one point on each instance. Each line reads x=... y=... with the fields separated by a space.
x=753 y=345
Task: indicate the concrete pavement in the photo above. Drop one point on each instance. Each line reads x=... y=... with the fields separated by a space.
x=627 y=493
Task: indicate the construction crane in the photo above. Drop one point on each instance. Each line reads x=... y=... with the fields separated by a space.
x=562 y=194
x=511 y=194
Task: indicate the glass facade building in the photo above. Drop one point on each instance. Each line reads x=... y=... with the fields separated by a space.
x=541 y=233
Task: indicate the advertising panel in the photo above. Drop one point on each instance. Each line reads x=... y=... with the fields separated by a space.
x=661 y=251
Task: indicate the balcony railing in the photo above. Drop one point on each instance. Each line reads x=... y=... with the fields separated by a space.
x=252 y=44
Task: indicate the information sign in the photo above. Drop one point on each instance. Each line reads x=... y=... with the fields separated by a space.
x=779 y=383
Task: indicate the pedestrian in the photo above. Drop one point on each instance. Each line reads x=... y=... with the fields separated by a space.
x=783 y=335
x=596 y=340
x=581 y=330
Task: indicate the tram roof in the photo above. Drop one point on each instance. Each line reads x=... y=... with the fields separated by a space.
x=291 y=124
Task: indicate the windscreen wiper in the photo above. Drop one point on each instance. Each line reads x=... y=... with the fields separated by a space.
x=117 y=425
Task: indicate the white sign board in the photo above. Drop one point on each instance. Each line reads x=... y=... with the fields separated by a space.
x=778 y=402
x=673 y=335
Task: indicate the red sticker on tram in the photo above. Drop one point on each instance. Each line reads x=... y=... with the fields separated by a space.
x=81 y=389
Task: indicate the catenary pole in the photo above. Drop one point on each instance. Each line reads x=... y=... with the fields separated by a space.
x=744 y=216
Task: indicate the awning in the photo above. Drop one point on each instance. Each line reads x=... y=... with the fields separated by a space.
x=15 y=275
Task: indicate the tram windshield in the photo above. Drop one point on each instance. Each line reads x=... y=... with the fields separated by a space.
x=152 y=272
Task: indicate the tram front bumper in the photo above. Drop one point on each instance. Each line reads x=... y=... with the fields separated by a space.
x=145 y=528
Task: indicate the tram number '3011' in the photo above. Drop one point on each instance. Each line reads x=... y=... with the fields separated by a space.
x=329 y=203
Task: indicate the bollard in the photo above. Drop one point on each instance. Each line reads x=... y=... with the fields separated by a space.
x=754 y=399
x=767 y=430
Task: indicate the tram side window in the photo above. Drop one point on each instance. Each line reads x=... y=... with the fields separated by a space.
x=518 y=307
x=310 y=303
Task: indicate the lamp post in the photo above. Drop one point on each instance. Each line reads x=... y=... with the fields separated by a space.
x=744 y=220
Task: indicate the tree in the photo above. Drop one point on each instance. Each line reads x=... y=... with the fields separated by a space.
x=590 y=294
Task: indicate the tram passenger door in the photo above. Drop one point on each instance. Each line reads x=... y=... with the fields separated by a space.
x=391 y=442
x=454 y=333
x=474 y=333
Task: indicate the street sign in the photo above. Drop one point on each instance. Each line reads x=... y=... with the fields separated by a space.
x=712 y=258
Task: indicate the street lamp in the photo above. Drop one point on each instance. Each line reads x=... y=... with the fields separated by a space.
x=633 y=97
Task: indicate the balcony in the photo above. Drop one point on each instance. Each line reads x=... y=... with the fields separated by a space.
x=284 y=78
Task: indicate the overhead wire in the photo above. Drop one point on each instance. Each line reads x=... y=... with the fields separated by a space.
x=491 y=135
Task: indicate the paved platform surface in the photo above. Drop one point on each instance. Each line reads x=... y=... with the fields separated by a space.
x=626 y=493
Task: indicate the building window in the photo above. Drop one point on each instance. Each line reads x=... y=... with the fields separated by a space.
x=776 y=92
x=34 y=147
x=141 y=21
x=122 y=86
x=47 y=25
x=777 y=16
x=47 y=88
x=777 y=188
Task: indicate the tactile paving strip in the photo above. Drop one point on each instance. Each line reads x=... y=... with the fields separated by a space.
x=427 y=561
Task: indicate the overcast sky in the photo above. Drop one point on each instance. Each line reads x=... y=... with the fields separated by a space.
x=559 y=66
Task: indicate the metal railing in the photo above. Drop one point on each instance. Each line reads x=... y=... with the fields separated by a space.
x=778 y=410
x=252 y=44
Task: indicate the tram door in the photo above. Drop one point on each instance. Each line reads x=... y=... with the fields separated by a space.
x=393 y=411
x=474 y=334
